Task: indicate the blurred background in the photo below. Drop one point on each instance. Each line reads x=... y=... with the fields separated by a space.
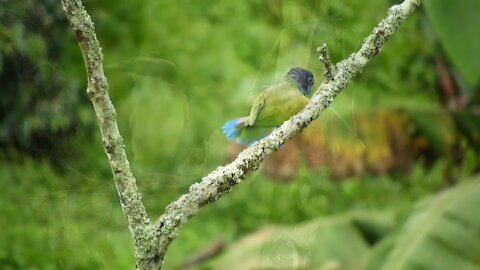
x=385 y=178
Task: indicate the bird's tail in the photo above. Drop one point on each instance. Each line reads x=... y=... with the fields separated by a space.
x=233 y=128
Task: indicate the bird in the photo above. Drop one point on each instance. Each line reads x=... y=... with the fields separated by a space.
x=272 y=107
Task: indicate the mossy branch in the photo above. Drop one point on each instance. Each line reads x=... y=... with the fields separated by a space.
x=221 y=180
x=324 y=57
x=151 y=241
x=130 y=198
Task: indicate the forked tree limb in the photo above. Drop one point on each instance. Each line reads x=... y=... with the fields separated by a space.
x=151 y=241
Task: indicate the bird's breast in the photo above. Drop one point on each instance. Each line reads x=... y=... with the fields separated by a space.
x=280 y=106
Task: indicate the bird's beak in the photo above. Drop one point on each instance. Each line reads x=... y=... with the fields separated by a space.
x=309 y=90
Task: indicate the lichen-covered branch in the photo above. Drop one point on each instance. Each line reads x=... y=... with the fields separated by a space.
x=152 y=240
x=324 y=57
x=130 y=199
x=220 y=181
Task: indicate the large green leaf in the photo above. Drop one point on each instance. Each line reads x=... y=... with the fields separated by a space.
x=442 y=233
x=337 y=242
x=456 y=26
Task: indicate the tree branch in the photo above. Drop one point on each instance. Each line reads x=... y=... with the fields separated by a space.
x=221 y=180
x=329 y=71
x=152 y=240
x=130 y=198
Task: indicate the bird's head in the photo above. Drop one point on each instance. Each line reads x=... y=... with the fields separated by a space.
x=302 y=78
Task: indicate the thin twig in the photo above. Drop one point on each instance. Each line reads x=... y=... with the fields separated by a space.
x=329 y=71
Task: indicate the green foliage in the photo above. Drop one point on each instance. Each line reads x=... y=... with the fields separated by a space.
x=60 y=221
x=258 y=203
x=40 y=106
x=318 y=244
x=177 y=71
x=73 y=220
x=455 y=24
x=441 y=233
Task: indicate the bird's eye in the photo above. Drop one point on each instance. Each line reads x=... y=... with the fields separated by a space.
x=310 y=81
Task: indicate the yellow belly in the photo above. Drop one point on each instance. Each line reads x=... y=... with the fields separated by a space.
x=280 y=107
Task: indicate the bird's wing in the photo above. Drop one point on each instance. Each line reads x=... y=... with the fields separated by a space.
x=258 y=105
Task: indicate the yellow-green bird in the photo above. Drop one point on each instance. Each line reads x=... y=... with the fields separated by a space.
x=272 y=107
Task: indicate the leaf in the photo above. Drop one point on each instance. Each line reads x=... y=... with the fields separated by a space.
x=337 y=242
x=442 y=233
x=467 y=124
x=380 y=253
x=456 y=26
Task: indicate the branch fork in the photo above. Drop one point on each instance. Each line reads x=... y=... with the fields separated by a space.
x=151 y=240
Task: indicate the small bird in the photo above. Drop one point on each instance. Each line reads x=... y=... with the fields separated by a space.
x=272 y=107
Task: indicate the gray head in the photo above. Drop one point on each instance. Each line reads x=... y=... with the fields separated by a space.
x=302 y=78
